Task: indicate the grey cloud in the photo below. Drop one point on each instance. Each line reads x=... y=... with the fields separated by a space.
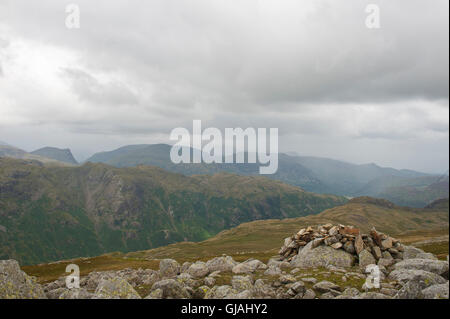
x=311 y=68
x=86 y=86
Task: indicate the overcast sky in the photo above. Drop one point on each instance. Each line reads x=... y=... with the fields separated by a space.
x=137 y=69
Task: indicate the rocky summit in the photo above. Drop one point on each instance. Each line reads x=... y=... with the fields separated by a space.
x=326 y=262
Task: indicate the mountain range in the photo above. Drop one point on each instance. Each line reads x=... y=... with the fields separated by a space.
x=314 y=174
x=50 y=213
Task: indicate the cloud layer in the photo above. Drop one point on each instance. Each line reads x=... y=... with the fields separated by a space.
x=135 y=70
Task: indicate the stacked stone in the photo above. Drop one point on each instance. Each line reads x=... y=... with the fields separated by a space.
x=348 y=238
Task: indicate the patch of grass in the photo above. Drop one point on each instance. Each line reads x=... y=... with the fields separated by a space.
x=440 y=249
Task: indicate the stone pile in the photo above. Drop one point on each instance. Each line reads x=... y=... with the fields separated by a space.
x=368 y=248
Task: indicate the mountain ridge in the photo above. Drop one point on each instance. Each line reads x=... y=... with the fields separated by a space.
x=50 y=213
x=315 y=174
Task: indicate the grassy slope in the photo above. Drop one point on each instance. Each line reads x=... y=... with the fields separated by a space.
x=262 y=239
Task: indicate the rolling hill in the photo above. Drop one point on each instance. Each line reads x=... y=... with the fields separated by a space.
x=52 y=213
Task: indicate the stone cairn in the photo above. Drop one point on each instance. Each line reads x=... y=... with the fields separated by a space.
x=343 y=237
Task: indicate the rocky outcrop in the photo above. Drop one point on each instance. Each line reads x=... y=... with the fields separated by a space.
x=15 y=284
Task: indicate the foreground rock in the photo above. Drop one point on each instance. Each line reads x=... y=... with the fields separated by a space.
x=426 y=278
x=436 y=292
x=115 y=288
x=170 y=289
x=15 y=284
x=320 y=269
x=435 y=266
x=322 y=256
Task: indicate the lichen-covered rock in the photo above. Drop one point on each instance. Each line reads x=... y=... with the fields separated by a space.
x=411 y=290
x=366 y=259
x=322 y=256
x=115 y=288
x=220 y=292
x=436 y=292
x=198 y=270
x=91 y=281
x=200 y=292
x=273 y=271
x=16 y=284
x=80 y=293
x=261 y=290
x=287 y=279
x=351 y=292
x=309 y=294
x=298 y=288
x=223 y=264
x=435 y=266
x=249 y=266
x=241 y=283
x=155 y=294
x=427 y=278
x=410 y=252
x=171 y=289
x=169 y=268
x=372 y=295
x=185 y=266
x=386 y=262
x=139 y=277
x=278 y=263
x=55 y=293
x=210 y=281
x=186 y=280
x=246 y=294
x=325 y=286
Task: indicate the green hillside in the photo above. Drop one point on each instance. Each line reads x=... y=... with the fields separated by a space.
x=53 y=213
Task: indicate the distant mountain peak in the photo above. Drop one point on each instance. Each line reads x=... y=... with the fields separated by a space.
x=62 y=155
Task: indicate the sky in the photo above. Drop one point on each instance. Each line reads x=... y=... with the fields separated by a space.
x=135 y=70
